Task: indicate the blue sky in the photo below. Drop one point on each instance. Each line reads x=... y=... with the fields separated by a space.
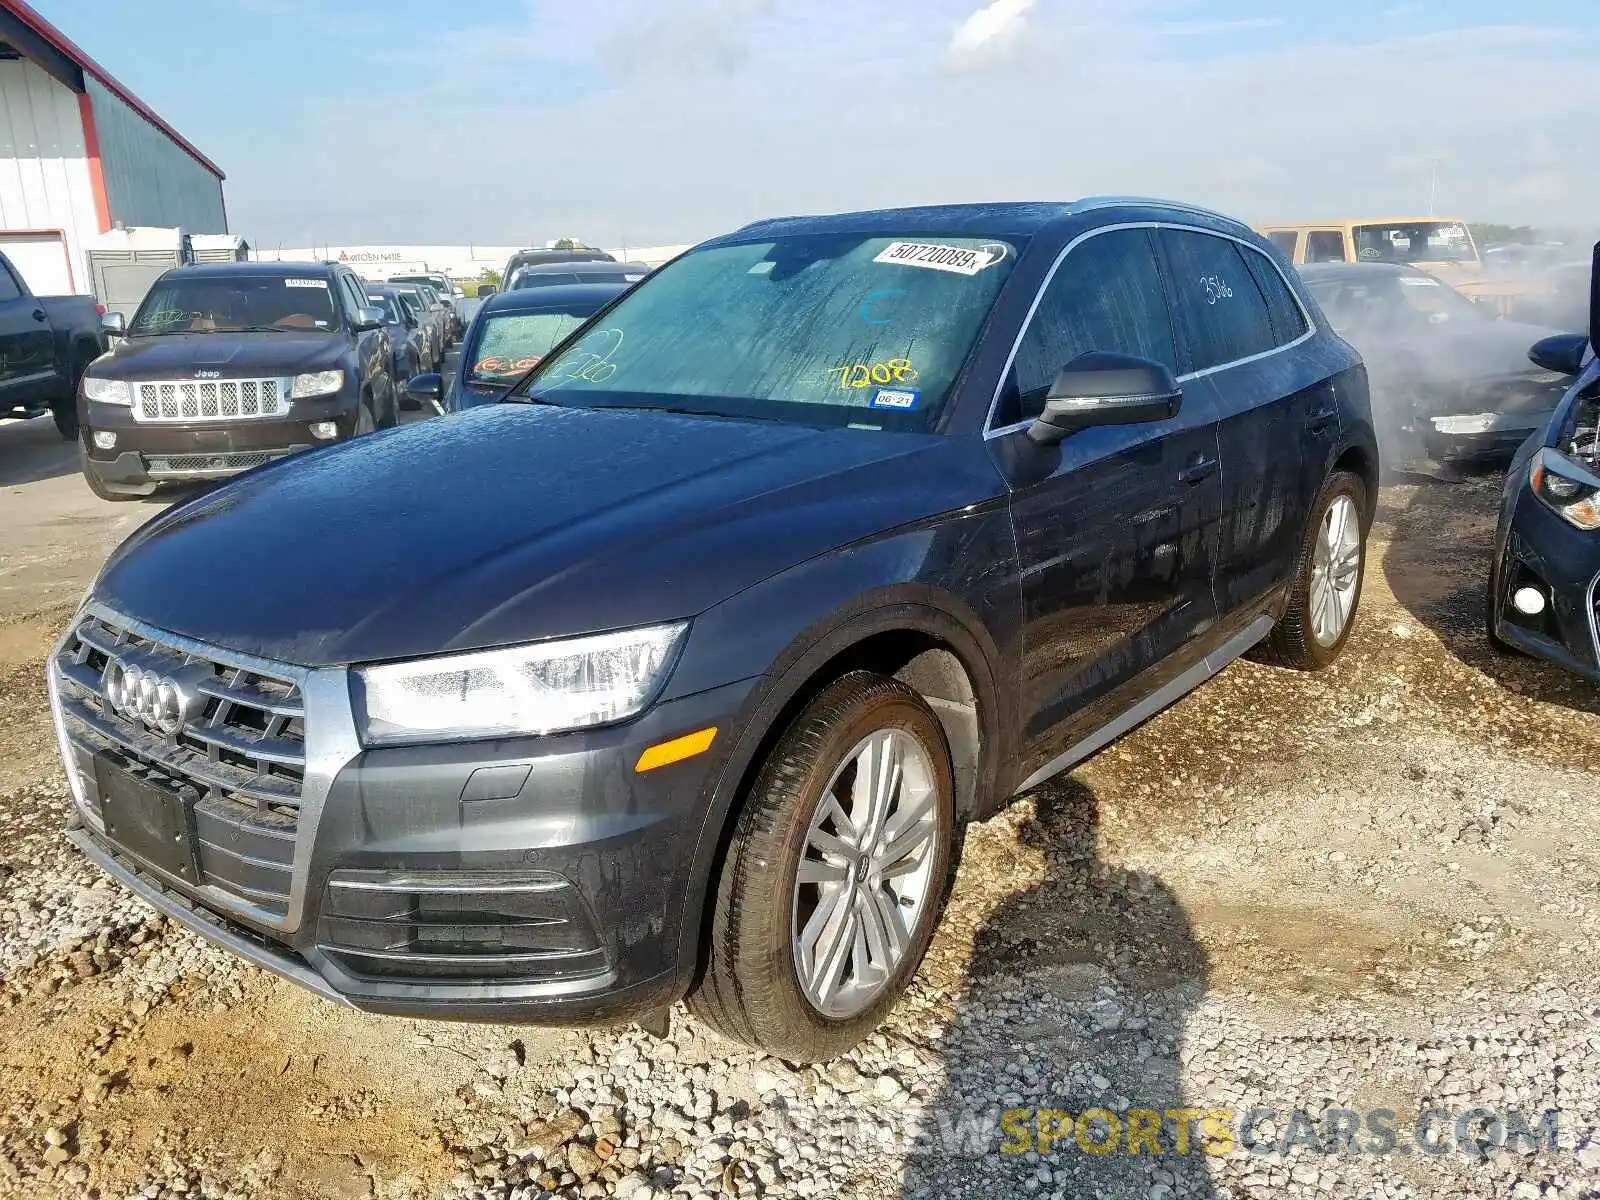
x=653 y=121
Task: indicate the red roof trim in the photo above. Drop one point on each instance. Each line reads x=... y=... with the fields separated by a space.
x=67 y=46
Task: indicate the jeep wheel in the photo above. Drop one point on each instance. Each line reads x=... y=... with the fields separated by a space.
x=836 y=875
x=1326 y=589
x=364 y=422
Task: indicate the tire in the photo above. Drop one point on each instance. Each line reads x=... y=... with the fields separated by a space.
x=65 y=409
x=1491 y=601
x=1295 y=641
x=364 y=422
x=751 y=990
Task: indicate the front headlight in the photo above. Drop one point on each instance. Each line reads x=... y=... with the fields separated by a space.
x=107 y=391
x=547 y=687
x=316 y=383
x=1566 y=487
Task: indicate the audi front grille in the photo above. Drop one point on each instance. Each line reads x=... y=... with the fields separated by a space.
x=210 y=399
x=237 y=761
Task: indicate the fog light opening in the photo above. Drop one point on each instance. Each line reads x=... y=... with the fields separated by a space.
x=324 y=431
x=105 y=439
x=1529 y=601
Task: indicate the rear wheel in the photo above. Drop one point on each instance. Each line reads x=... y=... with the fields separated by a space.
x=1326 y=589
x=364 y=422
x=65 y=408
x=836 y=875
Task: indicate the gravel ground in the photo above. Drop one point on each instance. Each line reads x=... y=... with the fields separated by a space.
x=1371 y=889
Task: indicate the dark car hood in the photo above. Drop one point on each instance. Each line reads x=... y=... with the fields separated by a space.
x=1458 y=367
x=238 y=355
x=517 y=522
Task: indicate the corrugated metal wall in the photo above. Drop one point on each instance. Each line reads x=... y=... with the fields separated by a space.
x=44 y=171
x=149 y=179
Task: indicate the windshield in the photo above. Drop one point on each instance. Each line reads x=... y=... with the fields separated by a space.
x=814 y=329
x=1386 y=300
x=1415 y=241
x=231 y=304
x=437 y=282
x=512 y=343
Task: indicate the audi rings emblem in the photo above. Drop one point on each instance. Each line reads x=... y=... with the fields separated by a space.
x=142 y=692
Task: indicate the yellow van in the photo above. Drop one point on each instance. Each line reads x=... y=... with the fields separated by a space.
x=1441 y=246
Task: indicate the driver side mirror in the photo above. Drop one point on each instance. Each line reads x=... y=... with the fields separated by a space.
x=1101 y=388
x=485 y=290
x=429 y=386
x=114 y=323
x=369 y=318
x=1562 y=353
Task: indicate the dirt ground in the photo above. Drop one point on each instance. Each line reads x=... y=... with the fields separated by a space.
x=1301 y=875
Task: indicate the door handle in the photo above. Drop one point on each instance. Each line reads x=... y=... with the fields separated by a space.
x=38 y=314
x=1322 y=420
x=1200 y=467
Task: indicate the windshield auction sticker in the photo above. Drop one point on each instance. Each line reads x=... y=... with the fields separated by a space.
x=962 y=260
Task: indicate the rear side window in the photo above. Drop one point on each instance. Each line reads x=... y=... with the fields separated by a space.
x=1284 y=240
x=1325 y=245
x=1288 y=320
x=1216 y=303
x=1106 y=295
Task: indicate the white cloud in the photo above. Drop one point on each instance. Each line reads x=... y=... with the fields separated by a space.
x=988 y=33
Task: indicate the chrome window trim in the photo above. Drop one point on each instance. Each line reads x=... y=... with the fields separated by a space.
x=1027 y=321
x=330 y=745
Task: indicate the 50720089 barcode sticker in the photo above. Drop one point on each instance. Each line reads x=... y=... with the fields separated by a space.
x=937 y=256
x=306 y=283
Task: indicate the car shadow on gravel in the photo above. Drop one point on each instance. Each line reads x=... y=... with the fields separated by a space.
x=1078 y=997
x=1438 y=568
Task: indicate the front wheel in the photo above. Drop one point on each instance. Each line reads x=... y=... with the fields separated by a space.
x=1326 y=589
x=836 y=875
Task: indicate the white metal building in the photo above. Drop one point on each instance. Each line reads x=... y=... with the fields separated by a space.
x=79 y=152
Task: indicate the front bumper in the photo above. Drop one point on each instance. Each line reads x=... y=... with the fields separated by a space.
x=151 y=452
x=1484 y=435
x=1536 y=547
x=523 y=879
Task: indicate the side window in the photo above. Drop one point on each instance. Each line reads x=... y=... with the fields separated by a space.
x=355 y=298
x=1288 y=321
x=1285 y=239
x=1215 y=300
x=1106 y=295
x=1325 y=245
x=8 y=286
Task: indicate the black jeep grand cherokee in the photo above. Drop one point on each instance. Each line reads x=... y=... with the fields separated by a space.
x=230 y=365
x=678 y=675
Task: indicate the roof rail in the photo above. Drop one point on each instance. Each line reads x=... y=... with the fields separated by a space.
x=1092 y=202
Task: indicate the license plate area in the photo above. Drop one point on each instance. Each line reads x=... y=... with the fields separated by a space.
x=147 y=820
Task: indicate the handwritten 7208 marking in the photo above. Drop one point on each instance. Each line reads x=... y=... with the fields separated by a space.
x=864 y=375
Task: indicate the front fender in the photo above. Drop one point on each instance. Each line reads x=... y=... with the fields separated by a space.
x=954 y=581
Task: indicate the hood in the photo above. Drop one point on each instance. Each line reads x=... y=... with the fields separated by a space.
x=234 y=355
x=1488 y=353
x=514 y=523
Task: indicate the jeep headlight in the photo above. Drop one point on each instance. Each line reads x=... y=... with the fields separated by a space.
x=547 y=687
x=1566 y=487
x=107 y=391
x=316 y=383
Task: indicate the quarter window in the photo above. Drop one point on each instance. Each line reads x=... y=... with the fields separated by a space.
x=1106 y=295
x=1216 y=303
x=1288 y=319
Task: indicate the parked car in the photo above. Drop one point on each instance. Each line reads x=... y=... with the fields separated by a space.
x=830 y=536
x=1544 y=589
x=509 y=336
x=444 y=313
x=231 y=365
x=1448 y=379
x=46 y=344
x=405 y=334
x=429 y=321
x=449 y=291
x=560 y=274
x=524 y=258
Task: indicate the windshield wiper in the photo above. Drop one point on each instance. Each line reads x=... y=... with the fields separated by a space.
x=687 y=412
x=506 y=397
x=262 y=329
